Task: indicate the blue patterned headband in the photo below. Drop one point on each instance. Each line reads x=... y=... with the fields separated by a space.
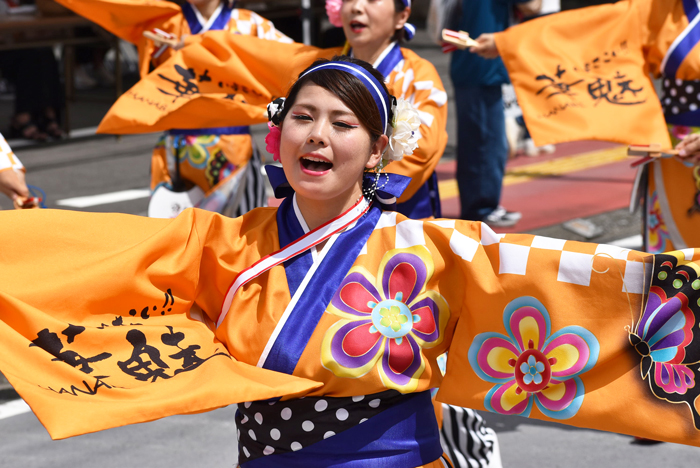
x=375 y=88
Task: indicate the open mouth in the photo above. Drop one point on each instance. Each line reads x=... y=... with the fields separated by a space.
x=357 y=27
x=315 y=165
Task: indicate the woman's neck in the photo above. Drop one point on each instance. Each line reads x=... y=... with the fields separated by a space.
x=371 y=52
x=207 y=9
x=319 y=212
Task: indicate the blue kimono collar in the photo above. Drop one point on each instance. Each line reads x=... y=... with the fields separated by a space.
x=389 y=188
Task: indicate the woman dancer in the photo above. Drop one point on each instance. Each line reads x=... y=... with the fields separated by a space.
x=219 y=168
x=374 y=31
x=284 y=302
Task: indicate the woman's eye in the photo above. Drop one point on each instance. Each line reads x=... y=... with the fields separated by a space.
x=301 y=117
x=344 y=125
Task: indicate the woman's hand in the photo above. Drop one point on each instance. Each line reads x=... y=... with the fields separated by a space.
x=486 y=48
x=689 y=148
x=160 y=39
x=12 y=184
x=180 y=43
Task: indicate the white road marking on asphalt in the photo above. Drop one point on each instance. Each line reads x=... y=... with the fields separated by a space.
x=83 y=132
x=632 y=242
x=105 y=198
x=13 y=408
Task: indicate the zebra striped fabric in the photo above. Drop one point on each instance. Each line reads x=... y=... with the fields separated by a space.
x=467 y=440
x=251 y=194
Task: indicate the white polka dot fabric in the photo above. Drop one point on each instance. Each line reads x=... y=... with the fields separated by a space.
x=679 y=97
x=275 y=427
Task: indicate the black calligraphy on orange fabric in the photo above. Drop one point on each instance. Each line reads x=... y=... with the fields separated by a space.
x=52 y=344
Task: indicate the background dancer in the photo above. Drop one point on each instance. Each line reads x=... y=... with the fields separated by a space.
x=374 y=30
x=219 y=168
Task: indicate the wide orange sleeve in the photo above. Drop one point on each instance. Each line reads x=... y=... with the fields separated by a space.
x=588 y=335
x=662 y=24
x=420 y=84
x=102 y=318
x=126 y=19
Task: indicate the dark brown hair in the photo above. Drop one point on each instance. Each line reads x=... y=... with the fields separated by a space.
x=348 y=88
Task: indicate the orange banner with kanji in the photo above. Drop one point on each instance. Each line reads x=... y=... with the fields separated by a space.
x=198 y=81
x=583 y=74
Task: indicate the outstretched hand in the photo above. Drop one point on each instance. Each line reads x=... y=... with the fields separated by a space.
x=689 y=148
x=12 y=184
x=486 y=47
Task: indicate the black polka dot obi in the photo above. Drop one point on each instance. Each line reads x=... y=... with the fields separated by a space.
x=291 y=433
x=681 y=101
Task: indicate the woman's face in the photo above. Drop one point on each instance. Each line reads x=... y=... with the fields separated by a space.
x=371 y=23
x=324 y=148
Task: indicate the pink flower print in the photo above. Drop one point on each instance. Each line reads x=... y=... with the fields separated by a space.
x=532 y=365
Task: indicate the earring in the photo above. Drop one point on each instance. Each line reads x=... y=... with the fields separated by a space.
x=369 y=192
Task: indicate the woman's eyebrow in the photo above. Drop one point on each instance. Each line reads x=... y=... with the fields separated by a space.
x=336 y=112
x=309 y=107
x=339 y=112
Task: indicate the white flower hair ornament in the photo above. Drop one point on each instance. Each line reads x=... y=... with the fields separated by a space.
x=403 y=133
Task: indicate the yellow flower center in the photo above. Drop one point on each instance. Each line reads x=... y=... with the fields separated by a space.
x=392 y=317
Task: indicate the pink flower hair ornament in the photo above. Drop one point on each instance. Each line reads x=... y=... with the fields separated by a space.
x=272 y=140
x=333 y=11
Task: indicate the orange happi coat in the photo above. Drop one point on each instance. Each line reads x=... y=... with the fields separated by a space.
x=538 y=327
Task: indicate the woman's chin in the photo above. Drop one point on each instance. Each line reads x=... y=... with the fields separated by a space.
x=327 y=192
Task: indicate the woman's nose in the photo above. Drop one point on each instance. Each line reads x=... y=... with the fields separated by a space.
x=357 y=6
x=318 y=135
